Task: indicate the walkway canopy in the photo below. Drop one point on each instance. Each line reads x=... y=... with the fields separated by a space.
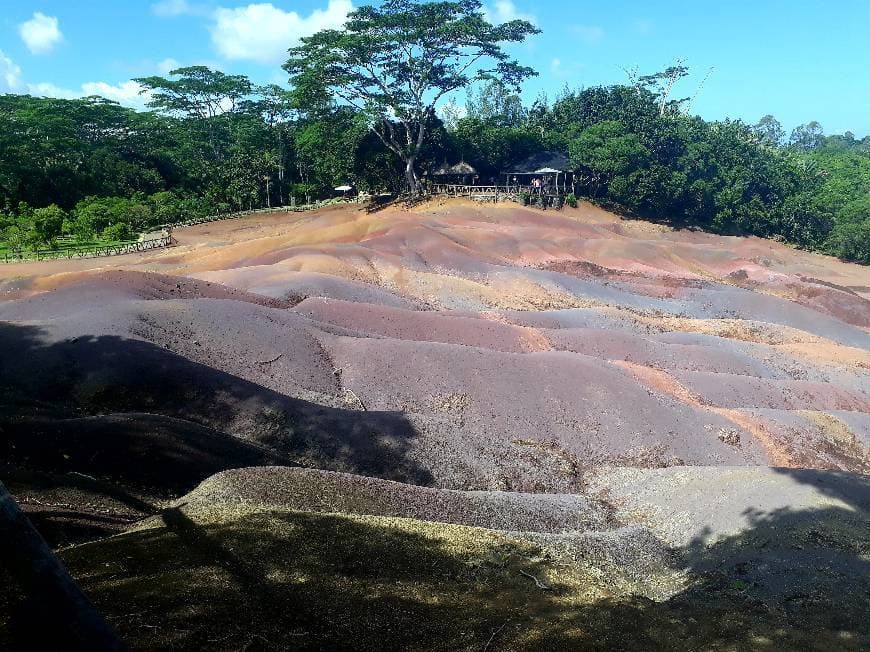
x=546 y=164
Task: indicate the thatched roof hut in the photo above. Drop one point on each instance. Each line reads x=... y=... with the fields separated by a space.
x=461 y=169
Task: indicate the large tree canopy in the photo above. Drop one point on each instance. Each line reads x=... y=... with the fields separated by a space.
x=217 y=142
x=199 y=92
x=396 y=61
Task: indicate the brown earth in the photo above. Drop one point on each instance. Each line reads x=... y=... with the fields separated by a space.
x=460 y=352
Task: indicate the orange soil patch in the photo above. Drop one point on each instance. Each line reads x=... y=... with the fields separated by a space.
x=775 y=451
x=829 y=352
x=664 y=383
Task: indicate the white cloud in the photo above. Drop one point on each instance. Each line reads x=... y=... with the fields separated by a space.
x=41 y=33
x=47 y=89
x=566 y=70
x=10 y=74
x=125 y=93
x=168 y=8
x=503 y=11
x=589 y=33
x=167 y=65
x=263 y=32
x=148 y=67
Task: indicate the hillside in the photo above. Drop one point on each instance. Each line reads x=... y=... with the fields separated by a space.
x=487 y=427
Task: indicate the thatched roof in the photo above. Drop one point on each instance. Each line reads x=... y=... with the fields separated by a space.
x=542 y=163
x=461 y=168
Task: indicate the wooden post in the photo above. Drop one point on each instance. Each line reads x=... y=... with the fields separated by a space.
x=65 y=612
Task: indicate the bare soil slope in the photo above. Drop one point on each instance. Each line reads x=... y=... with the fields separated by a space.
x=640 y=382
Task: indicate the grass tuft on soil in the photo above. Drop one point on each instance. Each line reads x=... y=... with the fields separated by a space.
x=289 y=579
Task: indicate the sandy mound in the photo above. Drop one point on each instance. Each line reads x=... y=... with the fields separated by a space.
x=638 y=382
x=281 y=488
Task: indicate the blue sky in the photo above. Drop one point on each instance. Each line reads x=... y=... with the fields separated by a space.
x=800 y=60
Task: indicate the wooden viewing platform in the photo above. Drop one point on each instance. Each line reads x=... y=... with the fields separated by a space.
x=460 y=190
x=543 y=198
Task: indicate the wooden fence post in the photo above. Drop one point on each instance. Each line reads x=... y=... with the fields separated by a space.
x=64 y=611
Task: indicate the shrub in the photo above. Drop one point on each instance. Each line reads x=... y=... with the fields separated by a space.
x=15 y=238
x=851 y=241
x=80 y=228
x=117 y=231
x=46 y=225
x=571 y=200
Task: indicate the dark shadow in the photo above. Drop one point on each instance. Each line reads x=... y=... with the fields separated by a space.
x=95 y=430
x=292 y=580
x=806 y=569
x=129 y=410
x=69 y=508
x=380 y=202
x=794 y=580
x=309 y=581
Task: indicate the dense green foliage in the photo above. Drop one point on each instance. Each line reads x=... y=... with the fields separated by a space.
x=88 y=169
x=393 y=63
x=653 y=160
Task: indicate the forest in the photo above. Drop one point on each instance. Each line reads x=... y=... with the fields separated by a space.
x=89 y=170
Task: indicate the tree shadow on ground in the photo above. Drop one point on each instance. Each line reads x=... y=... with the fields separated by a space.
x=794 y=580
x=125 y=423
x=141 y=401
x=94 y=431
x=807 y=568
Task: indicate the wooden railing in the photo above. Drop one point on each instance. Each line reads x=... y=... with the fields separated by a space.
x=235 y=215
x=88 y=252
x=541 y=197
x=459 y=190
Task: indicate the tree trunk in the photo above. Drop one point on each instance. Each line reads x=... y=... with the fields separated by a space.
x=411 y=177
x=281 y=171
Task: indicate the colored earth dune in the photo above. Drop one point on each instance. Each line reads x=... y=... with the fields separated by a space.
x=449 y=427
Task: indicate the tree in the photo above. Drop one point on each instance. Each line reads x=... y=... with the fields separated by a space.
x=396 y=61
x=807 y=137
x=851 y=241
x=770 y=131
x=276 y=109
x=200 y=94
x=661 y=84
x=450 y=114
x=496 y=104
x=46 y=224
x=805 y=221
x=15 y=238
x=326 y=145
x=491 y=148
x=605 y=150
